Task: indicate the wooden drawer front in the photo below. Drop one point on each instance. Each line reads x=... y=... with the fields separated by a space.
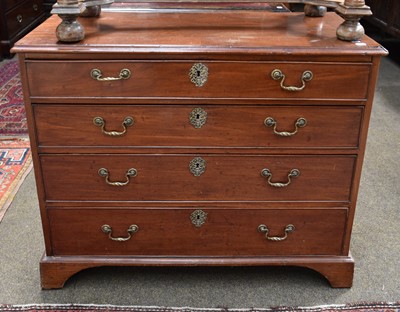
x=171 y=79
x=168 y=178
x=23 y=15
x=225 y=126
x=225 y=232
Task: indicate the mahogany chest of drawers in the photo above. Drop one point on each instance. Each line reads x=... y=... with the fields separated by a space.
x=198 y=138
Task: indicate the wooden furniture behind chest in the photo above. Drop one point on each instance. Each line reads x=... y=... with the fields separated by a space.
x=17 y=18
x=386 y=15
x=198 y=138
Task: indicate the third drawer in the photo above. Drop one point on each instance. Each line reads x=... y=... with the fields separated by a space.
x=107 y=177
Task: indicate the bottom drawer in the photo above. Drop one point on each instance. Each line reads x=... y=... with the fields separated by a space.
x=173 y=232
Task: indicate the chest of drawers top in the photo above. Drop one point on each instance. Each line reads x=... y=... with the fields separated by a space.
x=226 y=35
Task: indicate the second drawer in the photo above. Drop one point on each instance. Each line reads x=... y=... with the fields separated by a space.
x=198 y=126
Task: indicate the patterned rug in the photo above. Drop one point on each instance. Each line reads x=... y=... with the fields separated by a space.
x=12 y=110
x=366 y=307
x=15 y=164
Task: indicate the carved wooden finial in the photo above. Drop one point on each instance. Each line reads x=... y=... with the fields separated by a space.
x=354 y=3
x=352 y=11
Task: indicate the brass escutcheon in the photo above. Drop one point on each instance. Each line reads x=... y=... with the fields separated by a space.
x=198 y=117
x=197 y=166
x=198 y=217
x=198 y=74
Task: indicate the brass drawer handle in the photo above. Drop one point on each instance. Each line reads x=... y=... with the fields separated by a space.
x=99 y=121
x=198 y=117
x=35 y=7
x=266 y=173
x=19 y=18
x=131 y=230
x=277 y=74
x=264 y=229
x=271 y=122
x=132 y=172
x=96 y=74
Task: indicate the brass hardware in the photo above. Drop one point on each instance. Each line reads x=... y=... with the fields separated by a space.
x=99 y=121
x=132 y=172
x=19 y=18
x=197 y=166
x=35 y=7
x=198 y=117
x=266 y=173
x=264 y=229
x=198 y=217
x=131 y=230
x=96 y=74
x=300 y=123
x=198 y=74
x=277 y=74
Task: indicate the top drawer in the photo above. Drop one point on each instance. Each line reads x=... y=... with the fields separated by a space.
x=155 y=79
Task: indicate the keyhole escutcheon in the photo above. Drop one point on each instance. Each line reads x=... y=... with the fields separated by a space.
x=198 y=117
x=198 y=74
x=197 y=166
